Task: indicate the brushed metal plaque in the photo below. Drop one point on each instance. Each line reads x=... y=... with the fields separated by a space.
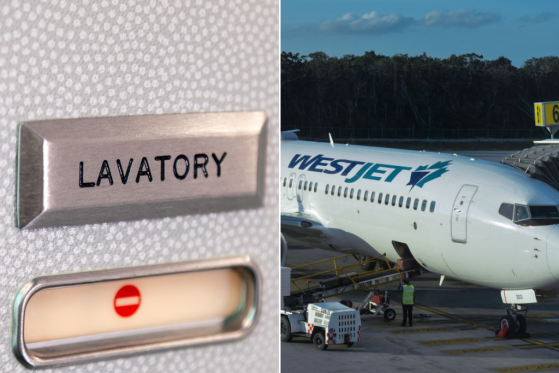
x=177 y=305
x=96 y=170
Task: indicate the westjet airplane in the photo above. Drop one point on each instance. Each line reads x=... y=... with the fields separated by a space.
x=477 y=221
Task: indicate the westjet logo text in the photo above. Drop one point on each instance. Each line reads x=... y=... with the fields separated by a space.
x=366 y=170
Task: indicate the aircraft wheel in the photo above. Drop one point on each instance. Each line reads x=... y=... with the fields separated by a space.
x=508 y=321
x=285 y=329
x=521 y=323
x=319 y=341
x=383 y=264
x=389 y=314
x=347 y=303
x=369 y=266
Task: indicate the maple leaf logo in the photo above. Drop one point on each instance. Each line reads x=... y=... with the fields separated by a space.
x=424 y=174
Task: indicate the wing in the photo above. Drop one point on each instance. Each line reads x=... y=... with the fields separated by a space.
x=304 y=229
x=307 y=230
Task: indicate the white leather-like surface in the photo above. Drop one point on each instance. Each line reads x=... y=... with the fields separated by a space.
x=71 y=59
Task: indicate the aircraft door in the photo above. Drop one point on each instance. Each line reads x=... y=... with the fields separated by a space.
x=290 y=186
x=459 y=219
x=299 y=187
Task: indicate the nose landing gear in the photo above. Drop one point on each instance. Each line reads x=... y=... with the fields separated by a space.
x=514 y=321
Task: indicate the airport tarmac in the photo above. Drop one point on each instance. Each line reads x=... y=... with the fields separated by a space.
x=454 y=331
x=454 y=327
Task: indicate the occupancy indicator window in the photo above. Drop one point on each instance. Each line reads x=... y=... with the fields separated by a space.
x=75 y=316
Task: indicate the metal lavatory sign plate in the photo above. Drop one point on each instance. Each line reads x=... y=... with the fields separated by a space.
x=95 y=170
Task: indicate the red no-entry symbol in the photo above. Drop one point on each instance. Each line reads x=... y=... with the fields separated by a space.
x=127 y=300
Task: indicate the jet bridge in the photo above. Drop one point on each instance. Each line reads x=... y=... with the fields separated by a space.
x=343 y=280
x=539 y=162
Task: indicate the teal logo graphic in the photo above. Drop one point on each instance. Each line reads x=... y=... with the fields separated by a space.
x=424 y=174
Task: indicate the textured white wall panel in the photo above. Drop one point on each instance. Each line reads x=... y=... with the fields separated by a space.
x=70 y=59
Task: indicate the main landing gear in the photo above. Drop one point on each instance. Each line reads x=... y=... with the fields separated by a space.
x=513 y=324
x=370 y=263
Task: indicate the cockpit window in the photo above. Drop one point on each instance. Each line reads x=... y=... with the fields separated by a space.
x=507 y=210
x=521 y=213
x=544 y=212
x=530 y=215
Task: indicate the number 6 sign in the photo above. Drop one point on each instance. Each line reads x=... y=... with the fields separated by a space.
x=546 y=113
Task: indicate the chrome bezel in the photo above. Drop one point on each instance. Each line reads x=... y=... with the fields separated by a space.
x=232 y=328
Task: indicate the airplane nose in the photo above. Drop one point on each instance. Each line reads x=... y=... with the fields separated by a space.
x=553 y=252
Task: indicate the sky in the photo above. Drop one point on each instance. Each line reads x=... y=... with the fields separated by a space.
x=516 y=29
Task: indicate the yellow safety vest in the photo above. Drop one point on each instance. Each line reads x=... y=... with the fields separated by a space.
x=407 y=298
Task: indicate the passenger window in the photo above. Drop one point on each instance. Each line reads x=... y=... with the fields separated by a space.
x=300 y=183
x=401 y=202
x=380 y=198
x=315 y=187
x=359 y=194
x=345 y=192
x=394 y=200
x=339 y=191
x=305 y=187
x=284 y=181
x=423 y=205
x=387 y=199
x=432 y=208
x=372 y=196
x=416 y=203
x=333 y=189
x=327 y=187
x=290 y=183
x=365 y=195
x=408 y=203
x=351 y=193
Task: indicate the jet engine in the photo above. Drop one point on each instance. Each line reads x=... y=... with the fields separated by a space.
x=283 y=248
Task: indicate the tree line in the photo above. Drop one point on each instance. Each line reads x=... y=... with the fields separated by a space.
x=420 y=92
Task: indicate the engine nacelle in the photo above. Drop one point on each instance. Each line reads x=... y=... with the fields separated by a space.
x=283 y=248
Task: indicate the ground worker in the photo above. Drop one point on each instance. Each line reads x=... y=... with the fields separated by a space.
x=408 y=297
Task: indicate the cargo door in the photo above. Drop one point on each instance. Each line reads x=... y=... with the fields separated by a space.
x=459 y=220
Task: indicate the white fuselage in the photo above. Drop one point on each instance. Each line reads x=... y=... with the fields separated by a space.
x=464 y=236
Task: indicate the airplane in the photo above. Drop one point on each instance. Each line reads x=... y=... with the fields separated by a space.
x=481 y=222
